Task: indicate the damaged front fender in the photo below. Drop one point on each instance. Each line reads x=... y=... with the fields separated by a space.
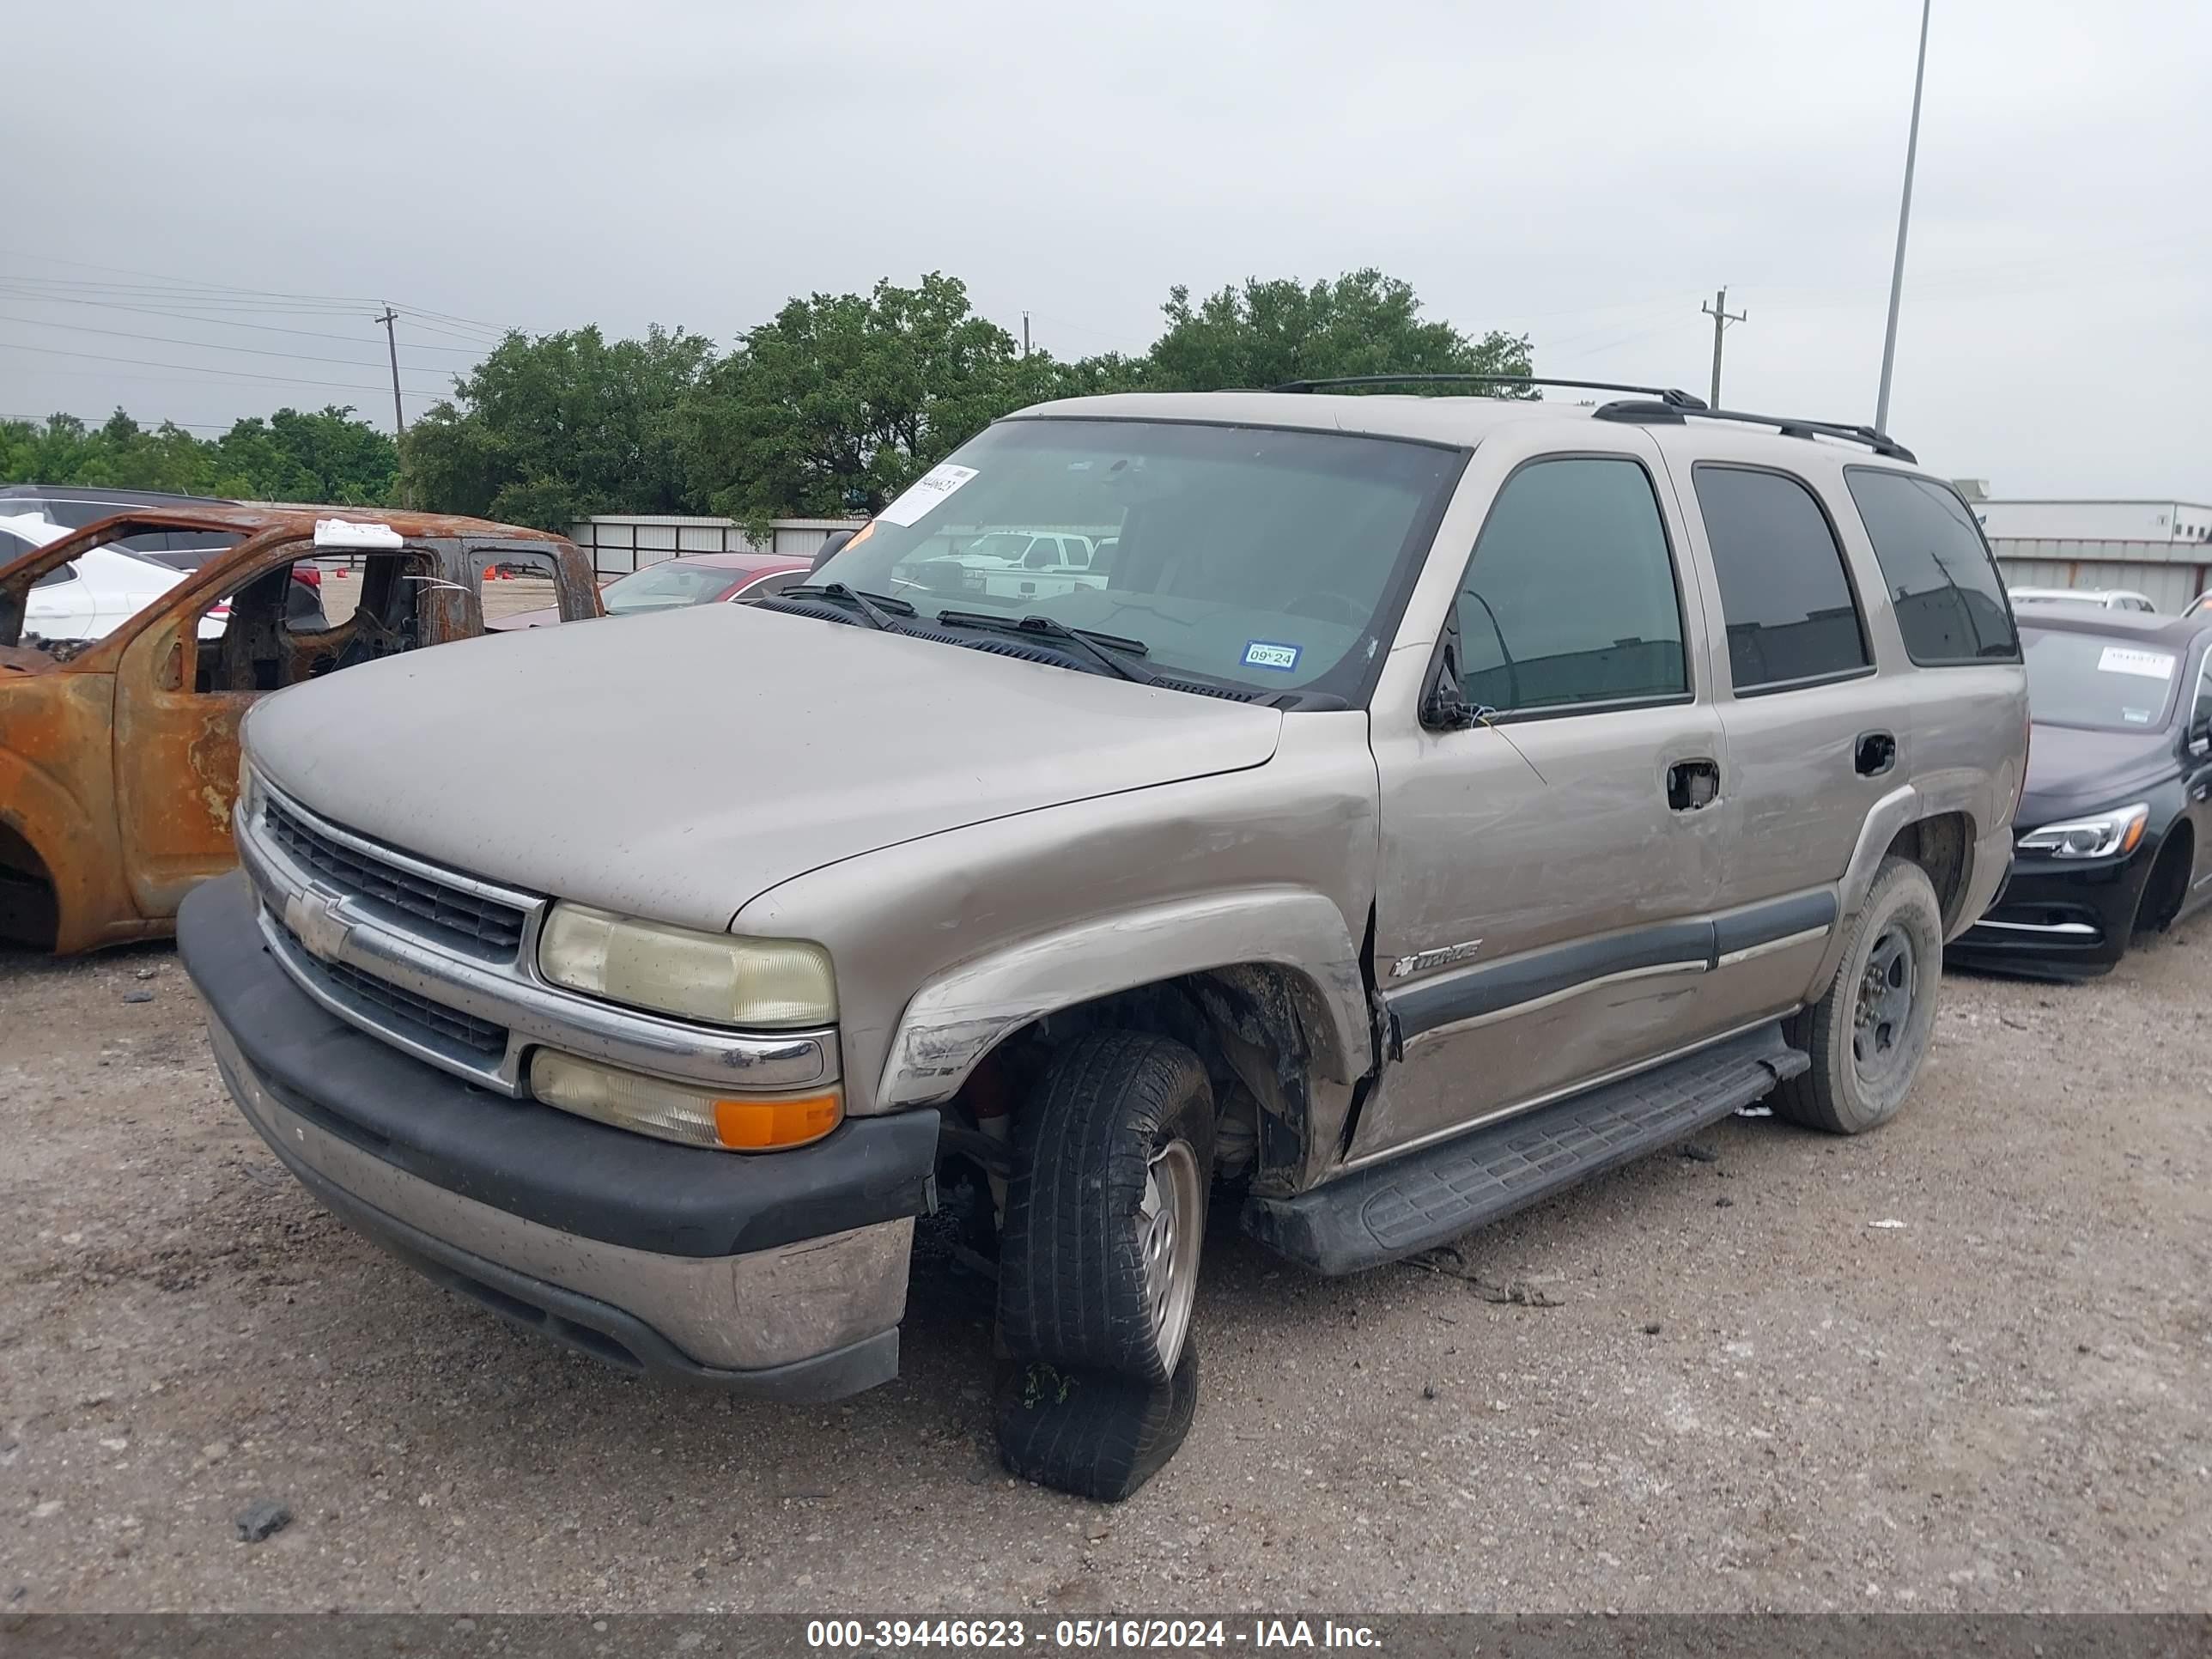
x=1273 y=961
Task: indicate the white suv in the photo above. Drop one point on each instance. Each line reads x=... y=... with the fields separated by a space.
x=1022 y=564
x=2107 y=598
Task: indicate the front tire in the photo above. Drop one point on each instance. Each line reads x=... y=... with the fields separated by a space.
x=1106 y=1208
x=1869 y=1032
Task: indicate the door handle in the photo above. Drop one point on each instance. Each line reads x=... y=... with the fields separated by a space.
x=1692 y=785
x=1874 y=753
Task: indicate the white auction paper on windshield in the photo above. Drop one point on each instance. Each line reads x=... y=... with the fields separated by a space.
x=926 y=493
x=2122 y=660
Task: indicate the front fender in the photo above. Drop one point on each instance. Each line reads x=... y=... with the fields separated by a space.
x=959 y=1016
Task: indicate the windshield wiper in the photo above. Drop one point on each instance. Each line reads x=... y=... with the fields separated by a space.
x=1092 y=644
x=877 y=608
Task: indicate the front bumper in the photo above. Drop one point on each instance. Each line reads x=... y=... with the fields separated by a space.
x=2060 y=919
x=781 y=1274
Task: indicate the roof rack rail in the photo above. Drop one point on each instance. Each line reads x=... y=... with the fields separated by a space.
x=1789 y=425
x=1672 y=396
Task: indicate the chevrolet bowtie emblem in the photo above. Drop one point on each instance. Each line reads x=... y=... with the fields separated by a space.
x=313 y=919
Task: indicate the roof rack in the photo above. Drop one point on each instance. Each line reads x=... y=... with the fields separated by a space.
x=1665 y=412
x=1671 y=397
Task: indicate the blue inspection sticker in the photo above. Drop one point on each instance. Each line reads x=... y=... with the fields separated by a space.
x=1267 y=653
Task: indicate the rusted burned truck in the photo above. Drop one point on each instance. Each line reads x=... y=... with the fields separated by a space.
x=118 y=754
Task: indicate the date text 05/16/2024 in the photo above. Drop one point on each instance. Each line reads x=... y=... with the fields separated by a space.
x=895 y=1635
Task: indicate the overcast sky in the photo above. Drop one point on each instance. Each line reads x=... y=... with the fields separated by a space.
x=1583 y=170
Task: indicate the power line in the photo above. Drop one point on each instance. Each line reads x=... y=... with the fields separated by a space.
x=196 y=426
x=194 y=370
x=448 y=317
x=179 y=282
x=223 y=297
x=454 y=334
x=217 y=322
x=210 y=345
x=197 y=299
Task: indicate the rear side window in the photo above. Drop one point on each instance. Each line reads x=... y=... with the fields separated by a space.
x=1787 y=602
x=1950 y=602
x=1571 y=597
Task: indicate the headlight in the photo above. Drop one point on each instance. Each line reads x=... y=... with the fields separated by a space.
x=716 y=977
x=2098 y=837
x=681 y=1112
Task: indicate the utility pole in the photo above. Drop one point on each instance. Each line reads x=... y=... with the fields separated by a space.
x=391 y=341
x=1718 y=311
x=1025 y=334
x=1904 y=218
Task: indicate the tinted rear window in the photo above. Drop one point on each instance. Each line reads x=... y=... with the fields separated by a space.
x=1950 y=602
x=1787 y=604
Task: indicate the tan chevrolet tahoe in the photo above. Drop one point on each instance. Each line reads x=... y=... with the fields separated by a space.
x=1439 y=800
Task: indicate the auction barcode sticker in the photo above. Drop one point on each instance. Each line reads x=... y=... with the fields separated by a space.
x=2122 y=660
x=924 y=495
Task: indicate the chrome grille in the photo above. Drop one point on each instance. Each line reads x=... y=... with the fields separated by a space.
x=416 y=1015
x=484 y=924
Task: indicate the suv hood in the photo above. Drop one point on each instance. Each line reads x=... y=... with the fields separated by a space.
x=675 y=766
x=2071 y=771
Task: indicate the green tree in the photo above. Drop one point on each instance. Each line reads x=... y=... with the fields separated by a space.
x=1264 y=333
x=551 y=428
x=1091 y=377
x=53 y=451
x=294 y=456
x=290 y=456
x=843 y=399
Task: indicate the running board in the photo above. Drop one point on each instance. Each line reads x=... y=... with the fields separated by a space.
x=1420 y=1198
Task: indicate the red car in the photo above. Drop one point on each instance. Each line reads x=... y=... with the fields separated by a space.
x=699 y=579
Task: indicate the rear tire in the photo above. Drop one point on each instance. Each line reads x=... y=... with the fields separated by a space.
x=1106 y=1208
x=1870 y=1032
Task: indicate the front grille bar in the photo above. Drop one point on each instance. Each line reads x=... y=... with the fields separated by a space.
x=485 y=925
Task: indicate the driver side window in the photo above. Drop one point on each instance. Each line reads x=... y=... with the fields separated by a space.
x=298 y=620
x=1570 y=596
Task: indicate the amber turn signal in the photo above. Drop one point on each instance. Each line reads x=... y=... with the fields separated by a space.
x=754 y=1125
x=681 y=1112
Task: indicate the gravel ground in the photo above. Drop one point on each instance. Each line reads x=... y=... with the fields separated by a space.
x=1727 y=1387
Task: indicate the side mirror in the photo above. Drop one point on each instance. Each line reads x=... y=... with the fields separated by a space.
x=1444 y=708
x=832 y=544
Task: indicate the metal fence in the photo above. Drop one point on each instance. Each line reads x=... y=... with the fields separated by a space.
x=2169 y=573
x=618 y=543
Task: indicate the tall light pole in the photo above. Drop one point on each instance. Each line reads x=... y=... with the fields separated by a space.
x=1904 y=218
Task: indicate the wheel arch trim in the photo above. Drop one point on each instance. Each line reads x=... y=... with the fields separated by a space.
x=960 y=1015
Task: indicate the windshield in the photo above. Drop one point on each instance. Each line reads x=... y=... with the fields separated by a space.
x=1271 y=560
x=667 y=587
x=2101 y=682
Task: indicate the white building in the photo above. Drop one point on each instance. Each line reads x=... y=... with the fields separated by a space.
x=2095 y=521
x=2162 y=548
